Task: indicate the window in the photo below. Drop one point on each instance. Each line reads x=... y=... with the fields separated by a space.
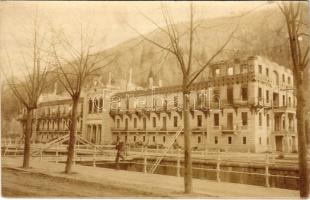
x=283 y=78
x=175 y=121
x=216 y=95
x=260 y=119
x=283 y=100
x=199 y=139
x=244 y=93
x=164 y=139
x=135 y=122
x=199 y=120
x=154 y=103
x=289 y=80
x=200 y=99
x=154 y=121
x=230 y=95
x=230 y=121
x=127 y=102
x=154 y=138
x=144 y=123
x=244 y=140
x=244 y=68
x=260 y=69
x=260 y=140
x=175 y=98
x=230 y=71
x=229 y=140
x=289 y=101
x=215 y=140
x=267 y=96
x=100 y=104
x=267 y=71
x=117 y=123
x=95 y=105
x=126 y=123
x=90 y=106
x=143 y=138
x=244 y=116
x=134 y=138
x=259 y=93
x=217 y=72
x=268 y=120
x=164 y=122
x=216 y=119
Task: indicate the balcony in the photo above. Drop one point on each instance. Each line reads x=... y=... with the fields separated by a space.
x=228 y=129
x=280 y=132
x=284 y=108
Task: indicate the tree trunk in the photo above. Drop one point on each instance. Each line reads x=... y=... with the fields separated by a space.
x=72 y=137
x=302 y=142
x=28 y=132
x=187 y=141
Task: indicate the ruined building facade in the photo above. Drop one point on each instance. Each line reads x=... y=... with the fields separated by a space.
x=244 y=104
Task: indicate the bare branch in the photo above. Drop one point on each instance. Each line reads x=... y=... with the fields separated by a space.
x=195 y=75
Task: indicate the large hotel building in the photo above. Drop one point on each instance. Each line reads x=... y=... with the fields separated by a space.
x=244 y=104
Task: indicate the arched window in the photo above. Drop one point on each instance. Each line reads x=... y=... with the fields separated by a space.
x=90 y=106
x=230 y=71
x=100 y=104
x=96 y=105
x=276 y=77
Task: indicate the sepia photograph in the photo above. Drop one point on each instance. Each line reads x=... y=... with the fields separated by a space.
x=154 y=99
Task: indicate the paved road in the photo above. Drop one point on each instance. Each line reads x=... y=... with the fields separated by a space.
x=26 y=184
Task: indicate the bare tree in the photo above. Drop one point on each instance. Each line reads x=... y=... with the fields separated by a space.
x=183 y=52
x=295 y=14
x=74 y=68
x=28 y=86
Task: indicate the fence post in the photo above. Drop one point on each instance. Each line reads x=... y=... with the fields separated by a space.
x=128 y=150
x=218 y=167
x=178 y=162
x=267 y=171
x=40 y=154
x=206 y=153
x=74 y=157
x=5 y=149
x=145 y=160
x=248 y=156
x=94 y=157
x=57 y=149
x=16 y=148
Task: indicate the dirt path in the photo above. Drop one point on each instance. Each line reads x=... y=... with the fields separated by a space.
x=26 y=184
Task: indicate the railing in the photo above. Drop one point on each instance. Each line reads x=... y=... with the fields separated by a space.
x=166 y=151
x=95 y=153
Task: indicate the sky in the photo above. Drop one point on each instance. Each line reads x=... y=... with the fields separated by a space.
x=109 y=21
